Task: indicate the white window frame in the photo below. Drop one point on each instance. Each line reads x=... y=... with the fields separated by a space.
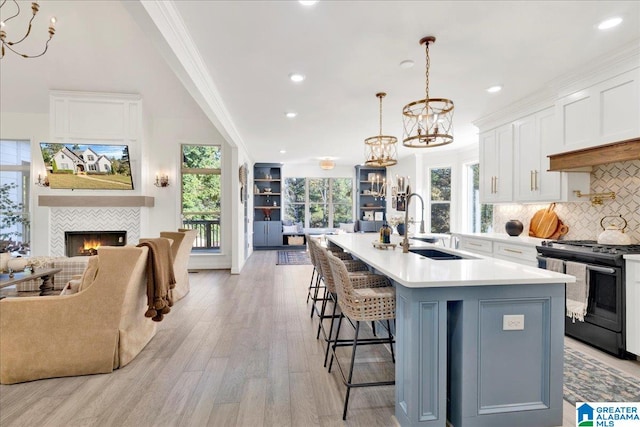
x=429 y=202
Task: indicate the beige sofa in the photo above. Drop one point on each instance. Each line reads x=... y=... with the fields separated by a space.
x=181 y=248
x=96 y=330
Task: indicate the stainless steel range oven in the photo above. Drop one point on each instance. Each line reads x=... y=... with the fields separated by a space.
x=604 y=324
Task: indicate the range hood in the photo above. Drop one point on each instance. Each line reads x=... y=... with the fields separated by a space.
x=582 y=160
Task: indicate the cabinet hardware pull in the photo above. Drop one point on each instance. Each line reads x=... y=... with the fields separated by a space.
x=496 y=185
x=492 y=184
x=531 y=180
x=512 y=250
x=473 y=244
x=535 y=180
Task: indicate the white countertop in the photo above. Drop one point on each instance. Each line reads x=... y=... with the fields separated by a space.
x=414 y=271
x=632 y=257
x=522 y=239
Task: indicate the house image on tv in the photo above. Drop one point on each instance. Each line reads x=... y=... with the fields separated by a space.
x=81 y=161
x=585 y=415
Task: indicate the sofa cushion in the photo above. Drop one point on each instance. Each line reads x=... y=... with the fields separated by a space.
x=71 y=268
x=348 y=227
x=290 y=229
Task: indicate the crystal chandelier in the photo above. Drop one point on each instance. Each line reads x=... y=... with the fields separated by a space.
x=380 y=150
x=35 y=7
x=429 y=121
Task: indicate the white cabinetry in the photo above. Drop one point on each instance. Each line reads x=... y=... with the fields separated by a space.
x=535 y=138
x=632 y=282
x=607 y=111
x=496 y=165
x=521 y=250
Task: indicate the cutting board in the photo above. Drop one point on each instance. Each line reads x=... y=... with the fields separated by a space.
x=544 y=223
x=560 y=231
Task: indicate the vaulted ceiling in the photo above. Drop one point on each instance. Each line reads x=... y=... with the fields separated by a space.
x=348 y=51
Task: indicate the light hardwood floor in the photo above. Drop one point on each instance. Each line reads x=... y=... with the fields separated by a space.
x=237 y=350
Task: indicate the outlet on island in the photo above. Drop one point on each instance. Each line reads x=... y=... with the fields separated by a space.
x=513 y=322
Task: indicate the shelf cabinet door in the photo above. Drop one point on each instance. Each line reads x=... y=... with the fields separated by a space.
x=606 y=112
x=534 y=138
x=496 y=165
x=267 y=233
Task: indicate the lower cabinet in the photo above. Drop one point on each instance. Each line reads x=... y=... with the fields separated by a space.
x=633 y=300
x=515 y=252
x=267 y=233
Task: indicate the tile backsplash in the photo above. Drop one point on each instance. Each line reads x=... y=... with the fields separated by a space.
x=582 y=218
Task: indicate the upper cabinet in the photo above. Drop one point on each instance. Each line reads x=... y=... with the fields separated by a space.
x=604 y=112
x=496 y=165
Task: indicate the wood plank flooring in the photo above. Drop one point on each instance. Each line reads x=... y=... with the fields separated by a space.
x=238 y=350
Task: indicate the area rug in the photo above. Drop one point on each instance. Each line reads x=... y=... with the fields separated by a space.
x=293 y=258
x=589 y=380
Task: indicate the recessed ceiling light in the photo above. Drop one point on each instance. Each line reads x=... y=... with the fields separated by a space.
x=494 y=89
x=290 y=114
x=283 y=151
x=296 y=77
x=406 y=64
x=307 y=2
x=609 y=23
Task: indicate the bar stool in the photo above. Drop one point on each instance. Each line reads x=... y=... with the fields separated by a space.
x=314 y=287
x=355 y=268
x=365 y=298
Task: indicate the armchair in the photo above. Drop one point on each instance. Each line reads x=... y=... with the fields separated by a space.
x=96 y=330
x=181 y=248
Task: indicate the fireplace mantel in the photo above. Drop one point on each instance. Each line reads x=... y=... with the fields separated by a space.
x=97 y=201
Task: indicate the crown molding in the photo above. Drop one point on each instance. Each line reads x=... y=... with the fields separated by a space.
x=95 y=95
x=195 y=74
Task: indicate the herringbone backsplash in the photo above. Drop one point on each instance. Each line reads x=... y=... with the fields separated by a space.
x=583 y=219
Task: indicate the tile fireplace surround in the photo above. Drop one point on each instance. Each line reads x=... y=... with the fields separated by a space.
x=91 y=219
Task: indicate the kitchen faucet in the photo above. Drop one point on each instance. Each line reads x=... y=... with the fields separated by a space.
x=405 y=239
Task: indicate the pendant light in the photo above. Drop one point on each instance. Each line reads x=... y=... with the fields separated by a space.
x=429 y=121
x=380 y=150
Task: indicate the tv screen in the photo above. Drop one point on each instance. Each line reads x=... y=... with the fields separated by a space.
x=87 y=166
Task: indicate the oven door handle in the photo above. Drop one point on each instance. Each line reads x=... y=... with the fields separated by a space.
x=601 y=269
x=605 y=270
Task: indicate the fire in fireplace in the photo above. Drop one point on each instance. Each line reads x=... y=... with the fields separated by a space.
x=86 y=243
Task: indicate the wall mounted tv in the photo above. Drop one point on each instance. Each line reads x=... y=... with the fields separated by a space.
x=87 y=166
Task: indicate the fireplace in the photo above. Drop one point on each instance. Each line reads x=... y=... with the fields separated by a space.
x=86 y=243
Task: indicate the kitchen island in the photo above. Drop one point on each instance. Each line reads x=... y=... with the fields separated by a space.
x=479 y=340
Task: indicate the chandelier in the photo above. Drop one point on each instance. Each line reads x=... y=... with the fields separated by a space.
x=35 y=7
x=429 y=121
x=380 y=150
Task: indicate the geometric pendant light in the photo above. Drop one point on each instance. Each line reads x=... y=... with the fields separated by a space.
x=381 y=150
x=429 y=121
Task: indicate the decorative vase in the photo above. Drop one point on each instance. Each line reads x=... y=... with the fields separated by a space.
x=400 y=228
x=513 y=227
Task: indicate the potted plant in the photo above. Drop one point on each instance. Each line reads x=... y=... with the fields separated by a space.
x=397 y=221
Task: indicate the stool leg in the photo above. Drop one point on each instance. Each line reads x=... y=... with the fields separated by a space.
x=313 y=273
x=393 y=357
x=315 y=295
x=373 y=328
x=353 y=361
x=333 y=353
x=322 y=310
x=333 y=316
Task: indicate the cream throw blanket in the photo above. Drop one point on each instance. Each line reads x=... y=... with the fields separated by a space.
x=578 y=292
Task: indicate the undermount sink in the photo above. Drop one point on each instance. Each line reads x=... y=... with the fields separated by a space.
x=426 y=239
x=435 y=254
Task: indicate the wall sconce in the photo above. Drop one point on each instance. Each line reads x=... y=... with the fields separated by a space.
x=162 y=181
x=42 y=182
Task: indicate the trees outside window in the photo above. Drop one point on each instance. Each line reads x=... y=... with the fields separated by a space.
x=440 y=200
x=318 y=202
x=201 y=193
x=15 y=186
x=479 y=216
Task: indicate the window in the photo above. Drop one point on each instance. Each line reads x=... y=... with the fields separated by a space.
x=318 y=202
x=90 y=157
x=440 y=200
x=480 y=216
x=201 y=193
x=92 y=167
x=15 y=162
x=294 y=200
